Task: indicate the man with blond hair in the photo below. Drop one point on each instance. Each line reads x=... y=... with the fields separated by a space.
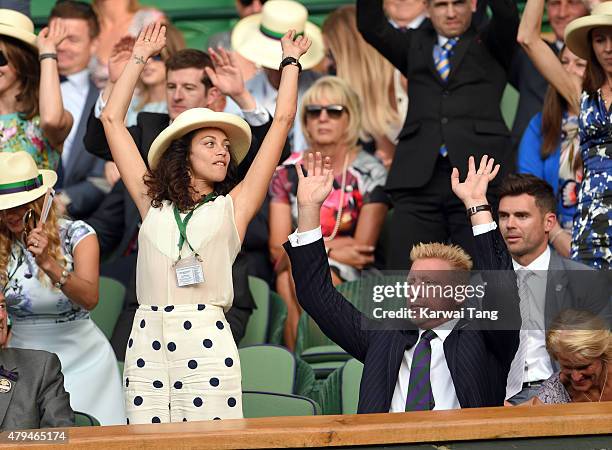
x=440 y=361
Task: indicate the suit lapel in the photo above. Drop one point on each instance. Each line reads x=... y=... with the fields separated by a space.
x=427 y=48
x=460 y=50
x=77 y=142
x=556 y=288
x=6 y=396
x=403 y=340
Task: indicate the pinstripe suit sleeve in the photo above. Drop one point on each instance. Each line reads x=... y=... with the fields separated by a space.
x=492 y=257
x=337 y=318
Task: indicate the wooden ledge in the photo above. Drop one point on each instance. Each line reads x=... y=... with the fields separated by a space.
x=368 y=429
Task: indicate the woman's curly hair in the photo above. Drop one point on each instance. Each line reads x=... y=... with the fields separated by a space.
x=171 y=179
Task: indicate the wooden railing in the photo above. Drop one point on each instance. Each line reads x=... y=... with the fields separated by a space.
x=570 y=420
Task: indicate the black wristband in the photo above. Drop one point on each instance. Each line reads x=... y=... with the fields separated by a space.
x=290 y=60
x=47 y=55
x=476 y=209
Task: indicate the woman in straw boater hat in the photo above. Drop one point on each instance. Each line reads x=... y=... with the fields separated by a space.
x=181 y=362
x=49 y=276
x=590 y=38
x=27 y=122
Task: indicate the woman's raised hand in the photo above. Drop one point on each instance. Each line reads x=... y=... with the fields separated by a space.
x=50 y=37
x=294 y=46
x=120 y=55
x=150 y=41
x=315 y=186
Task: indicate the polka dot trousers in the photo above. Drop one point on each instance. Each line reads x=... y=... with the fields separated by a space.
x=181 y=365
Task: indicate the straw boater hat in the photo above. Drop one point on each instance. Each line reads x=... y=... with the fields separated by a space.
x=18 y=26
x=21 y=181
x=236 y=129
x=577 y=31
x=257 y=37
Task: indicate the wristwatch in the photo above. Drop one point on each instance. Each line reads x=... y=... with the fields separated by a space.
x=62 y=281
x=476 y=209
x=290 y=60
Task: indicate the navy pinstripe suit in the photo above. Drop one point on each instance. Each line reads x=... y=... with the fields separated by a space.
x=478 y=357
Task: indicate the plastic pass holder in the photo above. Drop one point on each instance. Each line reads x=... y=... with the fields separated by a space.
x=189 y=271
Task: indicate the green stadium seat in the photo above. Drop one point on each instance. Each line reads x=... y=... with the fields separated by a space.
x=257 y=325
x=351 y=380
x=268 y=404
x=110 y=304
x=268 y=368
x=82 y=419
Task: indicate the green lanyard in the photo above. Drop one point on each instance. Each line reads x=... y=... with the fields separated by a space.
x=182 y=224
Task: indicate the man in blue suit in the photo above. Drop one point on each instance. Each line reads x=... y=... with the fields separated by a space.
x=436 y=363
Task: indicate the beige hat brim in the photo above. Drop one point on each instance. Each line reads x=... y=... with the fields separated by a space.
x=19 y=34
x=13 y=200
x=265 y=51
x=577 y=33
x=236 y=129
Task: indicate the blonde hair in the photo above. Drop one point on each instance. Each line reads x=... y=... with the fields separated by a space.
x=336 y=91
x=580 y=337
x=453 y=254
x=365 y=70
x=50 y=228
x=174 y=42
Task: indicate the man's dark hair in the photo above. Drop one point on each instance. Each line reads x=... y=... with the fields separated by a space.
x=523 y=183
x=191 y=58
x=71 y=9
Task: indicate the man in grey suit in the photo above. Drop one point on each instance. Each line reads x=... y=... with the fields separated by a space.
x=32 y=391
x=82 y=184
x=547 y=282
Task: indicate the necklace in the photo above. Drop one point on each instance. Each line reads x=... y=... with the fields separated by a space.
x=603 y=388
x=340 y=206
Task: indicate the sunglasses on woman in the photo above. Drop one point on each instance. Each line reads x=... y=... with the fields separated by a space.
x=3 y=60
x=333 y=111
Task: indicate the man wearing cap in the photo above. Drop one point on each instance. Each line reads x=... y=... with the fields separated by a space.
x=32 y=393
x=256 y=37
x=457 y=77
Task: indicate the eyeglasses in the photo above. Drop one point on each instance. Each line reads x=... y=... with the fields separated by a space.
x=157 y=57
x=333 y=111
x=3 y=60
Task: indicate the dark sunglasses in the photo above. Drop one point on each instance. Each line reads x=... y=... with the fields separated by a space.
x=333 y=111
x=246 y=3
x=3 y=60
x=157 y=57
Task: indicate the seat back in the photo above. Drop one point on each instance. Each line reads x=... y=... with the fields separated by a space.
x=351 y=380
x=257 y=326
x=82 y=419
x=268 y=368
x=106 y=313
x=268 y=404
x=278 y=316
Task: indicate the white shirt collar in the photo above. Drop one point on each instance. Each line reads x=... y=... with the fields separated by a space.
x=538 y=265
x=415 y=23
x=80 y=79
x=443 y=330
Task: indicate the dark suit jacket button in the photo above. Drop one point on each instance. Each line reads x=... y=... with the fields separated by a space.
x=444 y=120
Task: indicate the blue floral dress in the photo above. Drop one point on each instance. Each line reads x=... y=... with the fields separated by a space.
x=19 y=134
x=45 y=319
x=593 y=220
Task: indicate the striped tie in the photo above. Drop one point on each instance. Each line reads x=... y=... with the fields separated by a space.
x=442 y=58
x=420 y=396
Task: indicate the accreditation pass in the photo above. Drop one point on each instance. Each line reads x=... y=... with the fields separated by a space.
x=189 y=271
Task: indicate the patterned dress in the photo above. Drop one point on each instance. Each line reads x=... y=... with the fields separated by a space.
x=593 y=220
x=45 y=319
x=18 y=134
x=552 y=391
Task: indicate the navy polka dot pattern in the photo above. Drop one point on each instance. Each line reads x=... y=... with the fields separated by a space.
x=219 y=324
x=217 y=418
x=229 y=362
x=184 y=419
x=214 y=382
x=197 y=402
x=155 y=420
x=178 y=385
x=207 y=343
x=231 y=402
x=127 y=420
x=156 y=345
x=201 y=307
x=192 y=364
x=169 y=308
x=130 y=343
x=171 y=346
x=142 y=323
x=140 y=363
x=153 y=308
x=187 y=325
x=138 y=400
x=127 y=382
x=158 y=384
